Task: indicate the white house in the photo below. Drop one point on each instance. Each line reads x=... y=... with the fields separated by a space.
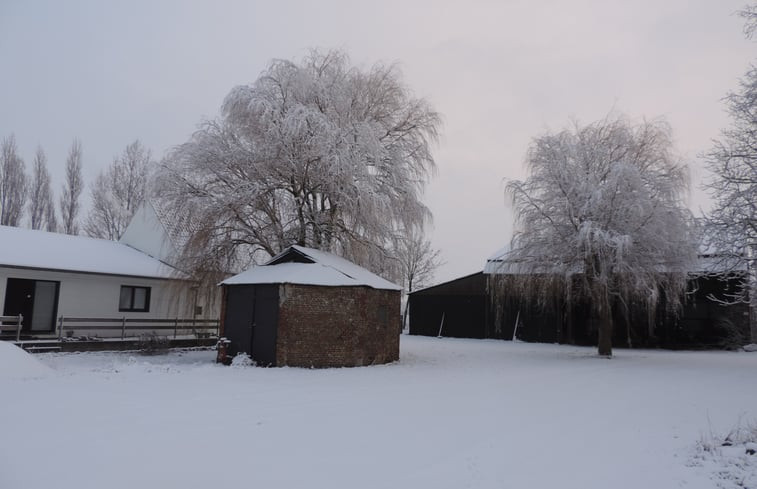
x=45 y=276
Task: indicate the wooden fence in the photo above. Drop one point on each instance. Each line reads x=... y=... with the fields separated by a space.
x=129 y=327
x=12 y=323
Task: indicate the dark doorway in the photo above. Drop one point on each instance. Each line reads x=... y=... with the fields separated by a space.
x=264 y=326
x=35 y=300
x=240 y=304
x=251 y=320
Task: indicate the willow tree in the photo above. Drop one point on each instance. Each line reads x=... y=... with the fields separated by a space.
x=318 y=153
x=601 y=218
x=732 y=161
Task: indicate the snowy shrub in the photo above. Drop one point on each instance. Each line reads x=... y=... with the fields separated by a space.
x=242 y=360
x=151 y=343
x=730 y=459
x=732 y=336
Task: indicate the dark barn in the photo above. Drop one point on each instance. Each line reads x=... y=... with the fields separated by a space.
x=309 y=308
x=703 y=322
x=458 y=308
x=476 y=306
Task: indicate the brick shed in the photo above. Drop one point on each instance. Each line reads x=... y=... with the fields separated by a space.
x=309 y=308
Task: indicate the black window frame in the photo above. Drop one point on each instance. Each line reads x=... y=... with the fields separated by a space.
x=131 y=307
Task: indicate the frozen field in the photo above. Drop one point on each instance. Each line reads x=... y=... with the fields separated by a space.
x=450 y=414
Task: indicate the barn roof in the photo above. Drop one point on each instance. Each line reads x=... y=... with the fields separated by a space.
x=472 y=284
x=307 y=266
x=27 y=248
x=708 y=261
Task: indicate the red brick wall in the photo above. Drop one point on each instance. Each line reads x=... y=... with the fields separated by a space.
x=337 y=326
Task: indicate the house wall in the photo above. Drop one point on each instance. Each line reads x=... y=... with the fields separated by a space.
x=91 y=295
x=337 y=326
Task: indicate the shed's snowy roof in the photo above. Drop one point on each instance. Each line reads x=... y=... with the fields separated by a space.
x=52 y=251
x=326 y=269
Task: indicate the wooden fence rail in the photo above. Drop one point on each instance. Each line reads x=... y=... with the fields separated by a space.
x=12 y=323
x=129 y=325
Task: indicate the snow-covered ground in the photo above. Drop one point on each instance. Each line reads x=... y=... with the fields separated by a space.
x=450 y=414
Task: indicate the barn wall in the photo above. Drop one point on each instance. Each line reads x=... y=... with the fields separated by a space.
x=462 y=302
x=701 y=323
x=464 y=316
x=337 y=326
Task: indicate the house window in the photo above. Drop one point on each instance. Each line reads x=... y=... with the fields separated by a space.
x=136 y=299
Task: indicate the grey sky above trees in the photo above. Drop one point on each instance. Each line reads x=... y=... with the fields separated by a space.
x=499 y=72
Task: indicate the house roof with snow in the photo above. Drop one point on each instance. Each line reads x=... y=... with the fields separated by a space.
x=27 y=248
x=307 y=266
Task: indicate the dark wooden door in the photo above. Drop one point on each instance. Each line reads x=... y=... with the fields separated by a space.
x=265 y=324
x=240 y=310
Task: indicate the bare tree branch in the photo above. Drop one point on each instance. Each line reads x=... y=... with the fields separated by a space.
x=13 y=184
x=118 y=192
x=72 y=189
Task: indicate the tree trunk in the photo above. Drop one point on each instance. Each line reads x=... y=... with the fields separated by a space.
x=604 y=317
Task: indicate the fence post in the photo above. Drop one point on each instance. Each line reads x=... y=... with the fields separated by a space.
x=19 y=323
x=60 y=328
x=175 y=327
x=123 y=327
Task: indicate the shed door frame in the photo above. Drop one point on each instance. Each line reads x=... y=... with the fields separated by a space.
x=251 y=321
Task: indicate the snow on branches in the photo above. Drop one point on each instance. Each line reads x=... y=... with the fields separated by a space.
x=732 y=222
x=601 y=217
x=317 y=153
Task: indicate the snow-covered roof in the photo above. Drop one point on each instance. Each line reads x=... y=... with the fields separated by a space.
x=494 y=262
x=324 y=269
x=29 y=248
x=707 y=262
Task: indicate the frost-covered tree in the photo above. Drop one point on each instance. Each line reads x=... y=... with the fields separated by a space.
x=749 y=14
x=72 y=189
x=601 y=218
x=732 y=221
x=317 y=153
x=118 y=192
x=40 y=192
x=417 y=260
x=51 y=220
x=13 y=183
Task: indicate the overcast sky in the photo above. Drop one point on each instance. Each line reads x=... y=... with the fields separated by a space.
x=500 y=72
